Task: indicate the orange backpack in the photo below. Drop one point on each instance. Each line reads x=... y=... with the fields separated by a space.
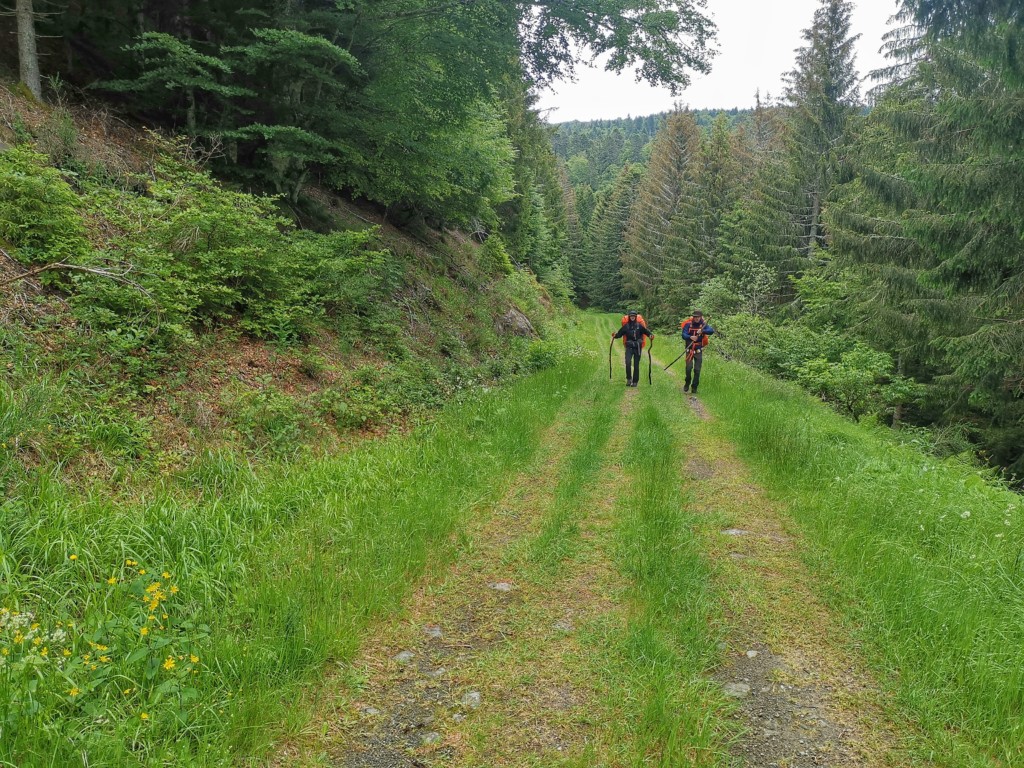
x=703 y=338
x=639 y=319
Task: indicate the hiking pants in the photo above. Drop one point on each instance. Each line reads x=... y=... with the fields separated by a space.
x=632 y=356
x=693 y=370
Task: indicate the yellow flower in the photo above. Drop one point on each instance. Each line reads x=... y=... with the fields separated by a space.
x=153 y=587
x=73 y=557
x=66 y=652
x=166 y=575
x=165 y=615
x=152 y=618
x=74 y=691
x=142 y=571
x=174 y=590
x=130 y=562
x=104 y=659
x=37 y=641
x=144 y=716
x=126 y=691
x=45 y=652
x=18 y=637
x=169 y=664
x=112 y=580
x=144 y=631
x=6 y=652
x=194 y=659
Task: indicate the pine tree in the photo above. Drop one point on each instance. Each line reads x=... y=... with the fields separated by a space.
x=822 y=91
x=603 y=277
x=670 y=176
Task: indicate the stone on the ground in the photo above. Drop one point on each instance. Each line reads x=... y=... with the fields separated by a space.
x=736 y=690
x=405 y=657
x=564 y=625
x=433 y=737
x=500 y=586
x=370 y=711
x=433 y=631
x=439 y=672
x=735 y=532
x=471 y=700
x=751 y=654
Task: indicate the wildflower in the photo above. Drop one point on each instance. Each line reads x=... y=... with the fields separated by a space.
x=5 y=652
x=44 y=652
x=66 y=653
x=153 y=587
x=142 y=572
x=152 y=618
x=74 y=691
x=104 y=659
x=130 y=562
x=169 y=664
x=144 y=631
x=174 y=589
x=164 y=616
x=112 y=580
x=37 y=641
x=72 y=558
x=965 y=514
x=194 y=659
x=144 y=716
x=166 y=575
x=126 y=691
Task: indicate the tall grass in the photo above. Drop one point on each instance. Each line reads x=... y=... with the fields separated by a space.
x=927 y=558
x=181 y=629
x=653 y=667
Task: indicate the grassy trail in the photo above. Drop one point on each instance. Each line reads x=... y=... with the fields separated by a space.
x=564 y=572
x=637 y=597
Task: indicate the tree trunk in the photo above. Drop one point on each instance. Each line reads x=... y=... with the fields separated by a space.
x=28 y=57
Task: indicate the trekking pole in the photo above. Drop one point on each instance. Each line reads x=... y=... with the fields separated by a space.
x=610 y=346
x=674 y=361
x=650 y=346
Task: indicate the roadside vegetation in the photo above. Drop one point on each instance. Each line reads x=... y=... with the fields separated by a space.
x=922 y=556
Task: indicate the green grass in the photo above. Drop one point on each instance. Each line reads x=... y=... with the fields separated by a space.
x=272 y=572
x=924 y=557
x=653 y=668
x=597 y=405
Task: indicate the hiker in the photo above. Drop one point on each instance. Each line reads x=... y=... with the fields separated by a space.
x=695 y=335
x=632 y=332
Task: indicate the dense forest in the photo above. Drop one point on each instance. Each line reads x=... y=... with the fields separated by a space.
x=871 y=254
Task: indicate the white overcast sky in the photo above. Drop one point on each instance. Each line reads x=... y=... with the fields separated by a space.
x=756 y=43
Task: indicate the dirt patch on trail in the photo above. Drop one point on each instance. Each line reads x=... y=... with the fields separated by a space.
x=804 y=699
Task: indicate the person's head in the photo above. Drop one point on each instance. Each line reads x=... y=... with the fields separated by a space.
x=631 y=314
x=698 y=316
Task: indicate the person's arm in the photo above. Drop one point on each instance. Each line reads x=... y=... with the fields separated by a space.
x=647 y=331
x=618 y=335
x=708 y=330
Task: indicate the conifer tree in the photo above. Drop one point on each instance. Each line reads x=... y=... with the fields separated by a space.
x=603 y=279
x=669 y=177
x=823 y=93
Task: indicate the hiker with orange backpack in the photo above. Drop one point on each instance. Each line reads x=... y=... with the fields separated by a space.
x=695 y=335
x=632 y=333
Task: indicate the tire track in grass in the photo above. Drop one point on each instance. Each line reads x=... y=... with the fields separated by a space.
x=804 y=696
x=462 y=632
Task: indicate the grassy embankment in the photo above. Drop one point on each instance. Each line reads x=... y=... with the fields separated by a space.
x=923 y=557
x=182 y=627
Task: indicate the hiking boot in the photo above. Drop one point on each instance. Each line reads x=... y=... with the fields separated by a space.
x=693 y=391
x=686 y=388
